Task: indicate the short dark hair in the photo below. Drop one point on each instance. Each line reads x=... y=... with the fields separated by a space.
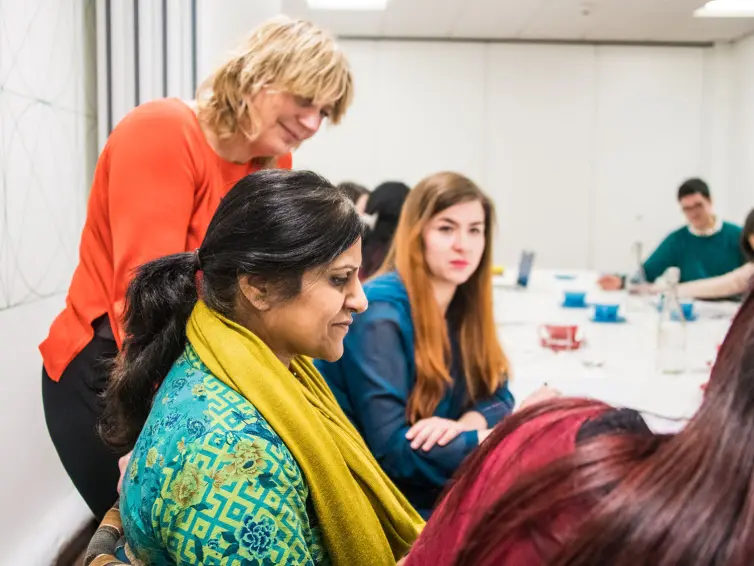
x=353 y=191
x=693 y=186
x=747 y=231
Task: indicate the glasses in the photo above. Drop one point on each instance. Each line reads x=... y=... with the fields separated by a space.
x=693 y=208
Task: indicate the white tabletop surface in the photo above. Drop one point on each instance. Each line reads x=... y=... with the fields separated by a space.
x=617 y=362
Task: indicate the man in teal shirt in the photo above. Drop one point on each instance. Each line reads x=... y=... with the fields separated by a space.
x=707 y=247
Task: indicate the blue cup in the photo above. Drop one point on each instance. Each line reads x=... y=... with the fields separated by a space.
x=575 y=299
x=606 y=313
x=688 y=310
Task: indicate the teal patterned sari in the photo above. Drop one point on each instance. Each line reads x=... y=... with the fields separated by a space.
x=211 y=483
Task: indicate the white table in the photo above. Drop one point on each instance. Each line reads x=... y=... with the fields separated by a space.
x=617 y=363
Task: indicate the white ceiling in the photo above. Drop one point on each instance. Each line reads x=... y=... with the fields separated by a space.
x=608 y=20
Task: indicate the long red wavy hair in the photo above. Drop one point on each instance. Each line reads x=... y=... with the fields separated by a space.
x=666 y=500
x=484 y=362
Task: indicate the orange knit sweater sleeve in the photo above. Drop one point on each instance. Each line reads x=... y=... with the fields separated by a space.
x=151 y=188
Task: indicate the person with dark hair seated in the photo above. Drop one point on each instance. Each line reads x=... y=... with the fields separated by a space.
x=707 y=247
x=423 y=375
x=576 y=482
x=241 y=453
x=384 y=205
x=358 y=194
x=733 y=284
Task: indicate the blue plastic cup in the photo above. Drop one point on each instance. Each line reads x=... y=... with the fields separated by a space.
x=606 y=313
x=688 y=309
x=575 y=299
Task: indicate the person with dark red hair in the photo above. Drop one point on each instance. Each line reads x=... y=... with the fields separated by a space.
x=575 y=482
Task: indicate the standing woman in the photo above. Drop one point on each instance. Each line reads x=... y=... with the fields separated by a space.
x=158 y=181
x=423 y=375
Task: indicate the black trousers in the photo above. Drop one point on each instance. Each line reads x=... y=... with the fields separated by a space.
x=73 y=407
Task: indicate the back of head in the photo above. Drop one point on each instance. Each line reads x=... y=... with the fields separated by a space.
x=680 y=500
x=273 y=226
x=483 y=359
x=387 y=200
x=294 y=56
x=694 y=186
x=353 y=191
x=385 y=203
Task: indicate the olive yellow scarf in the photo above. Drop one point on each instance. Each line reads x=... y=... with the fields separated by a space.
x=363 y=516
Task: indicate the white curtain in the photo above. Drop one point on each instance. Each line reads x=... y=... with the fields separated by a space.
x=149 y=49
x=146 y=49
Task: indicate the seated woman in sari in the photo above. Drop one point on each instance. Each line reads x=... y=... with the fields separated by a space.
x=576 y=482
x=242 y=454
x=423 y=376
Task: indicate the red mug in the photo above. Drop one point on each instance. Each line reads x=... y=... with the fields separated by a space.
x=560 y=337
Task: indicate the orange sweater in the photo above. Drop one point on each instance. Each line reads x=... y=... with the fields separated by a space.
x=156 y=186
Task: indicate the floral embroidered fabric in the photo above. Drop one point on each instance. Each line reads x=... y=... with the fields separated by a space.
x=211 y=483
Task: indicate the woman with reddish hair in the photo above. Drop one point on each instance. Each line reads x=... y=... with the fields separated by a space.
x=423 y=376
x=572 y=482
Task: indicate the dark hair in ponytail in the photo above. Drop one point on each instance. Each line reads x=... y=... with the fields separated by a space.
x=274 y=225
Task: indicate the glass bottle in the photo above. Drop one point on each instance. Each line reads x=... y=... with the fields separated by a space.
x=671 y=338
x=638 y=296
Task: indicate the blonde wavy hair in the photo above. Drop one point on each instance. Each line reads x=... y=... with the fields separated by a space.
x=293 y=56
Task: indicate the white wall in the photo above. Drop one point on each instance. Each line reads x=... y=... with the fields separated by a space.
x=540 y=126
x=581 y=147
x=47 y=145
x=649 y=132
x=165 y=56
x=222 y=25
x=742 y=135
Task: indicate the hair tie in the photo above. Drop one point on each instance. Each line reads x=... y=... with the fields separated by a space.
x=197 y=259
